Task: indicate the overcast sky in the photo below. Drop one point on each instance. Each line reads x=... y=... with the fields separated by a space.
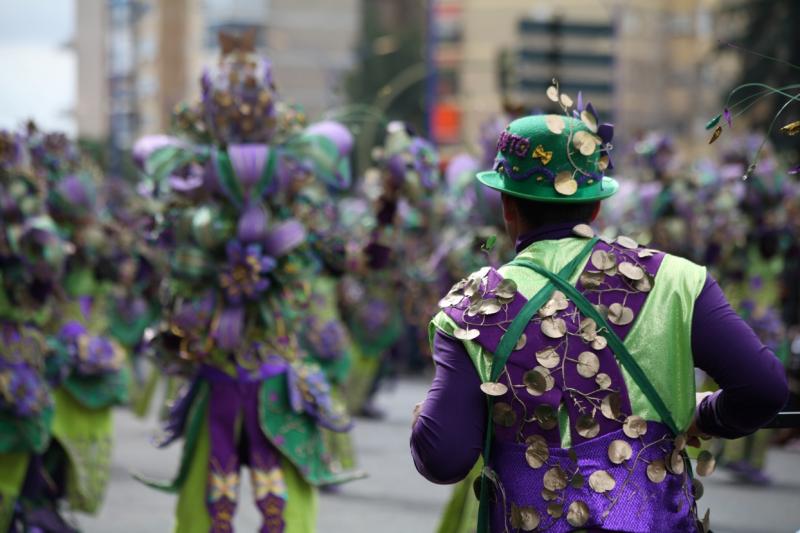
x=38 y=70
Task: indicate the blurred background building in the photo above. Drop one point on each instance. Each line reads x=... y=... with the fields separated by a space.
x=443 y=65
x=138 y=58
x=643 y=63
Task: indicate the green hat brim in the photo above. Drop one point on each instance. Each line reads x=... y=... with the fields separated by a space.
x=546 y=192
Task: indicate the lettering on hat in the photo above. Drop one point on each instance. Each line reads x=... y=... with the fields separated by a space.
x=513 y=144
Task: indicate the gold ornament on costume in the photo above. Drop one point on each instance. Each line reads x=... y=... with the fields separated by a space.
x=540 y=153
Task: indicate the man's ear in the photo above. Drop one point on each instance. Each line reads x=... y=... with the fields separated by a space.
x=596 y=212
x=509 y=208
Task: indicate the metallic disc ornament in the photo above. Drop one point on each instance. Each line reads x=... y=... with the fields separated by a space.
x=588 y=364
x=555 y=479
x=599 y=343
x=521 y=342
x=587 y=427
x=506 y=289
x=634 y=426
x=565 y=184
x=697 y=488
x=611 y=406
x=601 y=481
x=450 y=300
x=555 y=328
x=466 y=334
x=537 y=453
x=577 y=514
x=645 y=284
x=583 y=230
x=605 y=261
x=603 y=380
x=524 y=518
x=592 y=280
x=588 y=329
x=627 y=242
x=503 y=414
x=619 y=314
x=555 y=124
x=538 y=381
x=631 y=271
x=546 y=416
x=706 y=463
x=656 y=471
x=619 y=451
x=548 y=358
x=589 y=120
x=555 y=509
x=491 y=388
x=584 y=142
x=676 y=463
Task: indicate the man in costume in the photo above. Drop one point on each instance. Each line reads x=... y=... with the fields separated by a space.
x=571 y=368
x=235 y=297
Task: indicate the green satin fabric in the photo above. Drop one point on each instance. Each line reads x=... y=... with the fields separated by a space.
x=660 y=339
x=13 y=467
x=87 y=436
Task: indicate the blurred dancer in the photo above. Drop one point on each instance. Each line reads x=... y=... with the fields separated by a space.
x=236 y=299
x=32 y=258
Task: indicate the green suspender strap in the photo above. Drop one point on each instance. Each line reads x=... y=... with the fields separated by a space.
x=614 y=342
x=501 y=355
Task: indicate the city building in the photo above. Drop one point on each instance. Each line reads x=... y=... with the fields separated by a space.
x=643 y=63
x=138 y=58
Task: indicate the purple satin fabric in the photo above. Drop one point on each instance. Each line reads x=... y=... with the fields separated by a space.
x=448 y=437
x=667 y=507
x=236 y=438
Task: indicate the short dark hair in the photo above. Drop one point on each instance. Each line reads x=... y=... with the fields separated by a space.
x=543 y=213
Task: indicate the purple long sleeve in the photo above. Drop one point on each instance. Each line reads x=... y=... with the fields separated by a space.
x=448 y=437
x=752 y=380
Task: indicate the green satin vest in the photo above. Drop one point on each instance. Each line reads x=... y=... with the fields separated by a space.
x=660 y=339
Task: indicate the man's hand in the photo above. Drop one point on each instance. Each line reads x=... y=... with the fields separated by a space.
x=415 y=414
x=693 y=434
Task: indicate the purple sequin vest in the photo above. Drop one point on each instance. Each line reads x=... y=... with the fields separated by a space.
x=563 y=384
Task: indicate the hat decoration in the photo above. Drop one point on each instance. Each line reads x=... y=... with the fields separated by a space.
x=555 y=158
x=736 y=105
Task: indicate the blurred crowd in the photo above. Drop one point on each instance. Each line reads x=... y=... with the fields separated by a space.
x=255 y=277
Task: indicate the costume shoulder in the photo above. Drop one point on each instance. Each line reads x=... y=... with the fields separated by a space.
x=682 y=275
x=478 y=307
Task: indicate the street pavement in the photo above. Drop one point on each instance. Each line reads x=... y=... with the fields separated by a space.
x=394 y=498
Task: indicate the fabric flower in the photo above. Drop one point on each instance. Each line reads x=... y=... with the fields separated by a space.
x=245 y=277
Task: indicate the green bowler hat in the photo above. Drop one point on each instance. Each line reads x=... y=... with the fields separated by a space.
x=554 y=158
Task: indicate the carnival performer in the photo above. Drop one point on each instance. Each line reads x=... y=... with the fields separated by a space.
x=32 y=258
x=382 y=302
x=571 y=368
x=234 y=302
x=92 y=372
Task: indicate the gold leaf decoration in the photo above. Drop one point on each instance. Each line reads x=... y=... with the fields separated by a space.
x=494 y=389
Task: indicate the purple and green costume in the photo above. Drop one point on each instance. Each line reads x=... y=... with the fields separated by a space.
x=572 y=366
x=446 y=446
x=236 y=298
